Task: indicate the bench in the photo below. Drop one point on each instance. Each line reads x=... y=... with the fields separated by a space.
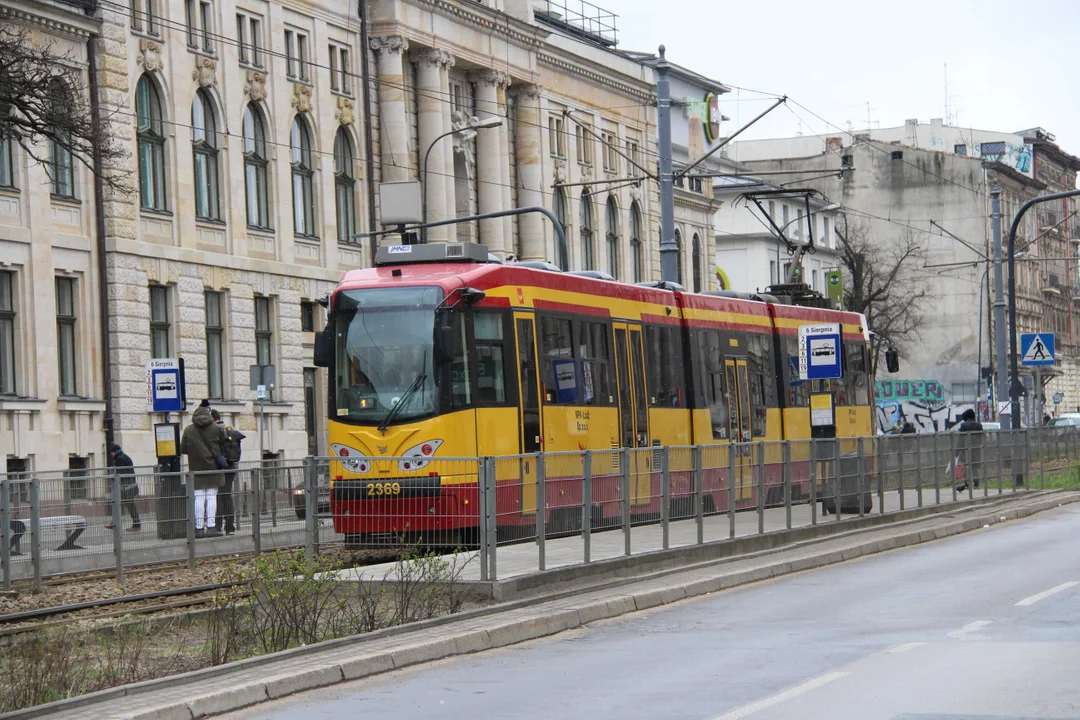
x=68 y=527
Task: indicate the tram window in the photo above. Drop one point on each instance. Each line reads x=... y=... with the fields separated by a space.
x=710 y=366
x=855 y=373
x=663 y=349
x=798 y=391
x=491 y=383
x=594 y=352
x=758 y=399
x=559 y=373
x=460 y=374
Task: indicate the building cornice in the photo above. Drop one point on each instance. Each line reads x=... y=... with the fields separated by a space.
x=482 y=18
x=595 y=73
x=686 y=199
x=42 y=16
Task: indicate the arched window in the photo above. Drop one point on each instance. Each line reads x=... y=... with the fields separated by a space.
x=562 y=257
x=255 y=180
x=678 y=244
x=612 y=236
x=204 y=146
x=636 y=254
x=151 y=145
x=302 y=174
x=588 y=262
x=695 y=260
x=344 y=186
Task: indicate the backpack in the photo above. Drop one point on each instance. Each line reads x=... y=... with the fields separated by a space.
x=231 y=447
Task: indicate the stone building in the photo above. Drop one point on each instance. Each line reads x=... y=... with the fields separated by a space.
x=256 y=154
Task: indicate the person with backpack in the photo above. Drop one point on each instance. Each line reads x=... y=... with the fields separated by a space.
x=226 y=509
x=201 y=442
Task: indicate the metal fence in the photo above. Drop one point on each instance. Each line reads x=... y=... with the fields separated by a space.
x=545 y=510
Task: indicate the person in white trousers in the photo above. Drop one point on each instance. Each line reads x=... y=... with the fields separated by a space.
x=206 y=512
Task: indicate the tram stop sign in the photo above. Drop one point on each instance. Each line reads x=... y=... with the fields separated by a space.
x=820 y=352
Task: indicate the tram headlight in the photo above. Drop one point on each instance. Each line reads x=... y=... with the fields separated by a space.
x=351 y=459
x=418 y=456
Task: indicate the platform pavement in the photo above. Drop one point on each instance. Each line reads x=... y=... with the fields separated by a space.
x=522 y=558
x=219 y=690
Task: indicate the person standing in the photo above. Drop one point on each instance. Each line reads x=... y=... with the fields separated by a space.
x=202 y=442
x=226 y=507
x=971 y=451
x=129 y=486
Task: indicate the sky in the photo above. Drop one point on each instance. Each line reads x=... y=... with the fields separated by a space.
x=1010 y=65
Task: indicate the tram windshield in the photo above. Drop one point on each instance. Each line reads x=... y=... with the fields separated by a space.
x=383 y=344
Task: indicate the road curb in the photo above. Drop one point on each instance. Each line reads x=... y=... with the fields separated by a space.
x=533 y=622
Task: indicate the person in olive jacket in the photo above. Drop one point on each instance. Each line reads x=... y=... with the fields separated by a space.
x=202 y=443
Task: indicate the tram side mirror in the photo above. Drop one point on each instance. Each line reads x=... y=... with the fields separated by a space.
x=444 y=339
x=892 y=360
x=324 y=348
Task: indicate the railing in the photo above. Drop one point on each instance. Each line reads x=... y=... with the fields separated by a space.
x=535 y=511
x=580 y=18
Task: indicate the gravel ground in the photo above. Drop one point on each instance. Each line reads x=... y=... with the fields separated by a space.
x=81 y=589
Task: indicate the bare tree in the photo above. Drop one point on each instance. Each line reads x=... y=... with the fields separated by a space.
x=883 y=284
x=45 y=98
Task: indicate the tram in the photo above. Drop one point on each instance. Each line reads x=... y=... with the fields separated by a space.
x=439 y=353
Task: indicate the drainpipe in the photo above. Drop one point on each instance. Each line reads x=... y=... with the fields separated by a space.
x=99 y=229
x=365 y=69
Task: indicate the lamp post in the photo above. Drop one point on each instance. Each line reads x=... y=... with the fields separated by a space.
x=474 y=125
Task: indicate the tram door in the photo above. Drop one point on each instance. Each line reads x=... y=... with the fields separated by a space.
x=529 y=407
x=737 y=387
x=633 y=408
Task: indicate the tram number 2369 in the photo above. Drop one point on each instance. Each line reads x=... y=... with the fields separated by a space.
x=382 y=489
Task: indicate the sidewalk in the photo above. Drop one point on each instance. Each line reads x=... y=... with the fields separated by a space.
x=223 y=689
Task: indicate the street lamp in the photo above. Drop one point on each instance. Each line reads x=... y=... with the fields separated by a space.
x=474 y=125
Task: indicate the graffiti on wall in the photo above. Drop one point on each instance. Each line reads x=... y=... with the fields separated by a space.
x=923 y=403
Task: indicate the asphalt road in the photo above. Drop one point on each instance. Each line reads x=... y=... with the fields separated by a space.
x=984 y=625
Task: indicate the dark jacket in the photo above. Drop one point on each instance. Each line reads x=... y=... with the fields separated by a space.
x=202 y=438
x=971 y=426
x=125 y=468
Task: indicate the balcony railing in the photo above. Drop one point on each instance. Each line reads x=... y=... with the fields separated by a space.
x=579 y=18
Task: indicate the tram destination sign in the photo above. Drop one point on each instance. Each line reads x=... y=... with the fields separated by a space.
x=820 y=352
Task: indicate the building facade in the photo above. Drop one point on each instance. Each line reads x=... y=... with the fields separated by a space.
x=256 y=155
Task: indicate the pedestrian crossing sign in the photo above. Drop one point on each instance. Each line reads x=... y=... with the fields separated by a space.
x=1037 y=349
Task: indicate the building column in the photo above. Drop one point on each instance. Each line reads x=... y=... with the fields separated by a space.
x=504 y=162
x=432 y=66
x=393 y=135
x=489 y=157
x=529 y=171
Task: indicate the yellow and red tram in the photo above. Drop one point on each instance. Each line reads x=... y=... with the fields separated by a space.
x=437 y=353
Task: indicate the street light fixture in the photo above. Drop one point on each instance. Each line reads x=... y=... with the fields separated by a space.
x=470 y=129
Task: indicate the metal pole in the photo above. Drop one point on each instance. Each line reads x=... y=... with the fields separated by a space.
x=5 y=532
x=731 y=489
x=813 y=482
x=699 y=497
x=493 y=519
x=118 y=531
x=541 y=511
x=787 y=483
x=35 y=531
x=1014 y=386
x=1042 y=458
x=937 y=469
x=311 y=525
x=669 y=251
x=761 y=488
x=834 y=454
x=482 y=521
x=1000 y=465
x=953 y=457
x=191 y=519
x=586 y=505
x=900 y=475
x=427 y=154
x=881 y=454
x=999 y=303
x=624 y=491
x=862 y=475
x=665 y=495
x=918 y=468
x=256 y=512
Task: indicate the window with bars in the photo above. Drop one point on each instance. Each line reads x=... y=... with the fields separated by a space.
x=296 y=56
x=7 y=332
x=199 y=25
x=340 y=72
x=557 y=136
x=160 y=325
x=215 y=350
x=264 y=335
x=250 y=39
x=144 y=17
x=66 y=319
